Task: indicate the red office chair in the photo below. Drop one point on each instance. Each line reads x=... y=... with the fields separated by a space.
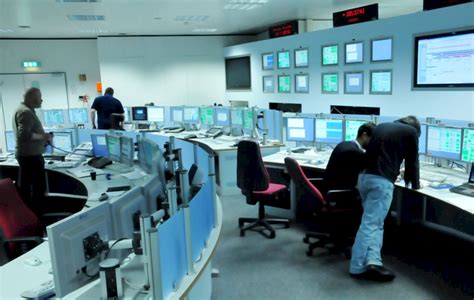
x=20 y=228
x=334 y=212
x=254 y=182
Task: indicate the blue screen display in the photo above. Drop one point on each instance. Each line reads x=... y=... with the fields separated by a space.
x=78 y=115
x=53 y=117
x=222 y=116
x=328 y=131
x=99 y=145
x=444 y=142
x=300 y=129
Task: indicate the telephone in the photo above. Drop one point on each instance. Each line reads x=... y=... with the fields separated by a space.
x=99 y=162
x=81 y=152
x=213 y=131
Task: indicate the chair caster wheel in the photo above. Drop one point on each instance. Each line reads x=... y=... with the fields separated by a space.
x=242 y=233
x=272 y=235
x=306 y=240
x=309 y=253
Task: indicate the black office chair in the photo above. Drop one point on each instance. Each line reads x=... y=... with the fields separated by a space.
x=254 y=182
x=116 y=121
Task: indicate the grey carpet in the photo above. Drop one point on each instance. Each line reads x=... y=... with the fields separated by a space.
x=254 y=267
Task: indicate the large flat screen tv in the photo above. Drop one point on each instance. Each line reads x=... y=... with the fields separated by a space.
x=444 y=60
x=237 y=73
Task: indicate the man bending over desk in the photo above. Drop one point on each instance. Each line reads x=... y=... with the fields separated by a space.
x=391 y=143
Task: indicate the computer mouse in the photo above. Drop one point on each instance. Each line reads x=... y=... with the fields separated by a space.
x=32 y=261
x=50 y=162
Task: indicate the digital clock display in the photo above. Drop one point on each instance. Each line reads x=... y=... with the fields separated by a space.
x=356 y=15
x=284 y=29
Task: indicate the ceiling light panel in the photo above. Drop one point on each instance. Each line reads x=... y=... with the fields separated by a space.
x=78 y=1
x=86 y=17
x=191 y=18
x=205 y=30
x=244 y=4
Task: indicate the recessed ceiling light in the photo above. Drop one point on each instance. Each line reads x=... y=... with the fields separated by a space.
x=157 y=18
x=244 y=4
x=205 y=30
x=191 y=18
x=86 y=17
x=122 y=33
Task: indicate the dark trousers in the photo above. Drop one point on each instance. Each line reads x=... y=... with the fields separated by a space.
x=32 y=183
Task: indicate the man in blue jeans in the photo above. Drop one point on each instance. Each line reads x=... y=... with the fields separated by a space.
x=390 y=145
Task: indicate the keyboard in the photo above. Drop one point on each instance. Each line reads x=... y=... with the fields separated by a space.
x=432 y=177
x=465 y=189
x=65 y=164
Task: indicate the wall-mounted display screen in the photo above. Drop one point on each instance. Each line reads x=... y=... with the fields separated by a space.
x=354 y=83
x=302 y=83
x=381 y=50
x=301 y=58
x=283 y=59
x=330 y=55
x=268 y=84
x=381 y=82
x=284 y=83
x=330 y=83
x=444 y=60
x=468 y=145
x=354 y=52
x=237 y=73
x=268 y=60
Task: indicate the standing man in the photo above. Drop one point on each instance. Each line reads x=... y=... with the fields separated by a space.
x=105 y=106
x=31 y=141
x=391 y=143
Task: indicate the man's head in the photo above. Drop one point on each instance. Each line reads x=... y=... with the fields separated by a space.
x=365 y=133
x=32 y=98
x=412 y=121
x=109 y=91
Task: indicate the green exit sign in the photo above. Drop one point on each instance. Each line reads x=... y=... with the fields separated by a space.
x=30 y=64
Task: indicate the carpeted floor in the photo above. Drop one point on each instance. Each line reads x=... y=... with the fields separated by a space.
x=253 y=267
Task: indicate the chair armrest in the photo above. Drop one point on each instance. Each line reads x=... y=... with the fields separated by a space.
x=25 y=243
x=343 y=198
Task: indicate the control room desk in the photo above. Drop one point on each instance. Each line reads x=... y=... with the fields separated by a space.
x=437 y=209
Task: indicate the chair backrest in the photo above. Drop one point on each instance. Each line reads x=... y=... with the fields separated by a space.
x=251 y=172
x=305 y=190
x=115 y=120
x=16 y=219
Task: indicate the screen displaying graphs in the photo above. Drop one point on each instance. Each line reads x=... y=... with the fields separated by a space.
x=468 y=145
x=53 y=117
x=330 y=83
x=330 y=55
x=284 y=83
x=444 y=142
x=381 y=82
x=283 y=59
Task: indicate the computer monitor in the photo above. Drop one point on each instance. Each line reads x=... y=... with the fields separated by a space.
x=99 y=145
x=352 y=128
x=139 y=113
x=78 y=115
x=422 y=139
x=328 y=131
x=468 y=145
x=125 y=212
x=113 y=146
x=156 y=114
x=127 y=150
x=191 y=114
x=222 y=116
x=206 y=114
x=126 y=114
x=73 y=247
x=62 y=142
x=10 y=141
x=53 y=117
x=300 y=129
x=150 y=158
x=237 y=117
x=444 y=142
x=248 y=120
x=177 y=114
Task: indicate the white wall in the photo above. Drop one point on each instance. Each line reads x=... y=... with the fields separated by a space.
x=166 y=70
x=440 y=104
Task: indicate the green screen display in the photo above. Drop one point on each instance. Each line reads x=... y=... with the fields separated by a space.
x=467 y=153
x=248 y=119
x=330 y=55
x=207 y=116
x=352 y=127
x=381 y=82
x=330 y=83
x=284 y=84
x=283 y=60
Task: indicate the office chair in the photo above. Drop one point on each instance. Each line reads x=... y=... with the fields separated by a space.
x=116 y=121
x=254 y=182
x=334 y=212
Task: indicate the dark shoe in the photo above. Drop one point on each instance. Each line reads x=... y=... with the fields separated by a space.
x=375 y=273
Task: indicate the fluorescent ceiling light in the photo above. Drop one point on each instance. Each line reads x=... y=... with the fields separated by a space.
x=78 y=1
x=244 y=4
x=86 y=17
x=205 y=30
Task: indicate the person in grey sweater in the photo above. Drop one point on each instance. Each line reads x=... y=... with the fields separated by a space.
x=31 y=141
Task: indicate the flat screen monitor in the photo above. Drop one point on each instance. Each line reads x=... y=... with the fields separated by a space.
x=156 y=114
x=53 y=117
x=207 y=115
x=248 y=120
x=328 y=131
x=10 y=141
x=99 y=145
x=283 y=59
x=222 y=116
x=191 y=114
x=444 y=142
x=139 y=113
x=113 y=147
x=62 y=142
x=354 y=83
x=284 y=83
x=148 y=152
x=126 y=114
x=302 y=83
x=73 y=247
x=330 y=83
x=268 y=60
x=177 y=114
x=301 y=58
x=351 y=129
x=330 y=55
x=78 y=115
x=300 y=129
x=127 y=150
x=125 y=212
x=381 y=82
x=468 y=145
x=381 y=50
x=422 y=139
x=237 y=117
x=237 y=73
x=354 y=52
x=268 y=84
x=444 y=60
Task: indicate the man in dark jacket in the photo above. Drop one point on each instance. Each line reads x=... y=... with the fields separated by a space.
x=105 y=106
x=390 y=145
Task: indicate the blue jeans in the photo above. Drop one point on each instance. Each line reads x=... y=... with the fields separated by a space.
x=376 y=193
